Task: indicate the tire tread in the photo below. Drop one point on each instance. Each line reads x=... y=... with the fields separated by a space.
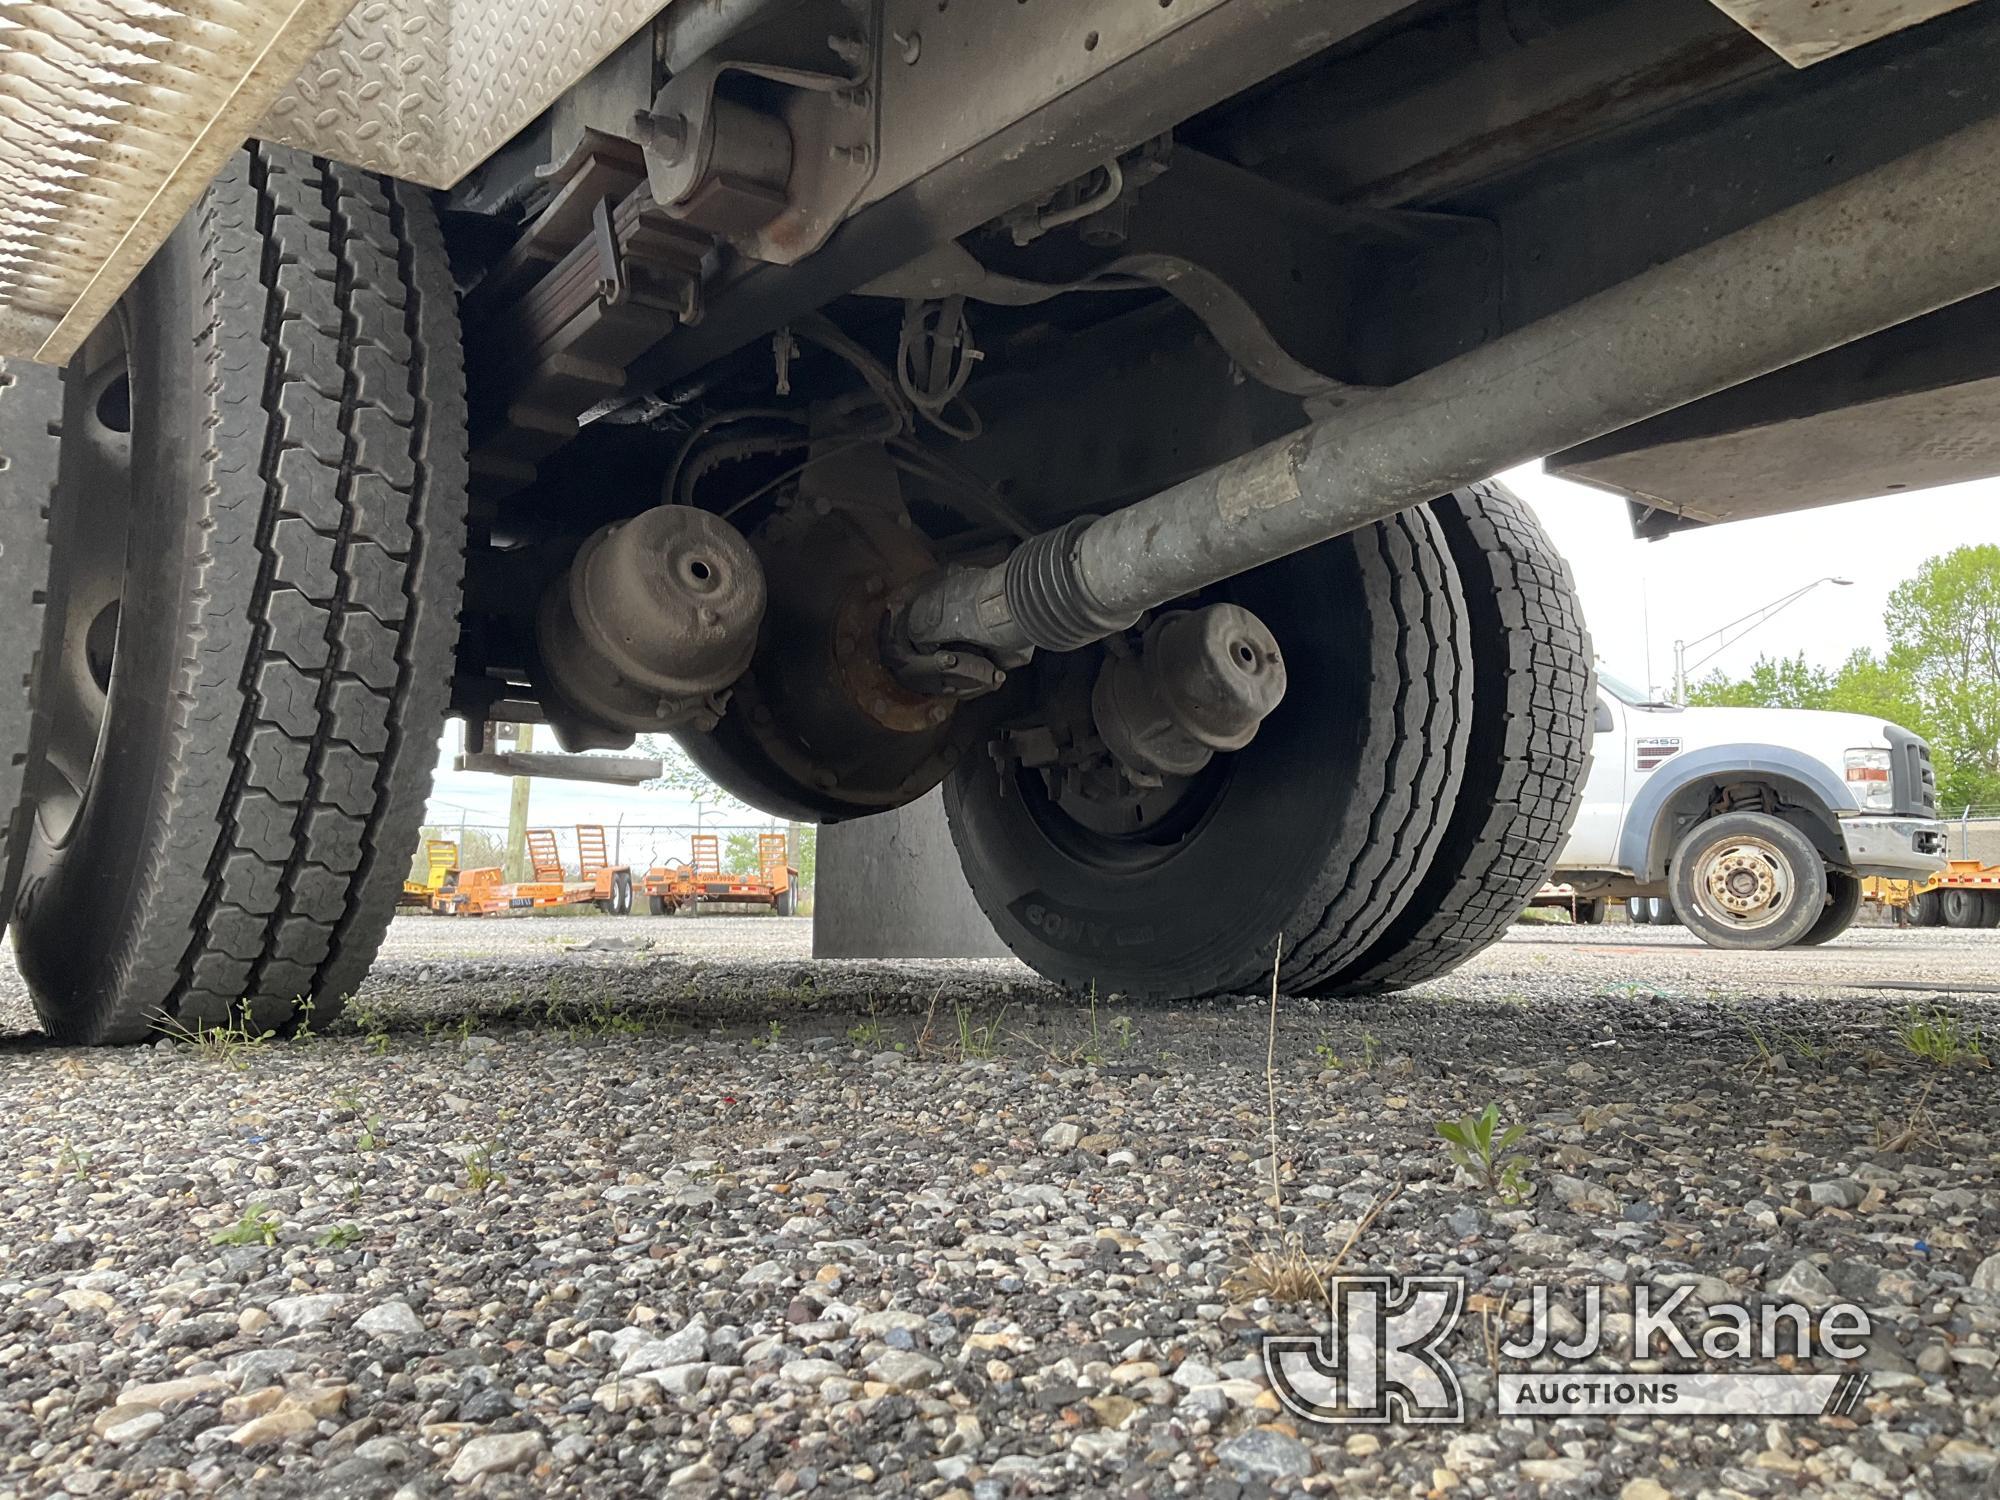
x=315 y=681
x=1530 y=746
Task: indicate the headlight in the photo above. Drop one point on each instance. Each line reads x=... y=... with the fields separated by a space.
x=1868 y=777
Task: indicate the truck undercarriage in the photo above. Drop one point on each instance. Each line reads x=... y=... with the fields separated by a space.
x=1083 y=406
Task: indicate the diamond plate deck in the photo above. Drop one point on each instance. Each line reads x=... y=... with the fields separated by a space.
x=1804 y=32
x=425 y=90
x=114 y=114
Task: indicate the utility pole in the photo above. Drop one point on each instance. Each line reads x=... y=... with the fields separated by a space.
x=517 y=810
x=1728 y=635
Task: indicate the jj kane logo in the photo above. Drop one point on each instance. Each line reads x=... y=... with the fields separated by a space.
x=1383 y=1356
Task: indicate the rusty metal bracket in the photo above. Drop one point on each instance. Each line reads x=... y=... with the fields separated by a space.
x=768 y=141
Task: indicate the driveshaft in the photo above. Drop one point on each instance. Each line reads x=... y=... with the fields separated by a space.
x=1887 y=246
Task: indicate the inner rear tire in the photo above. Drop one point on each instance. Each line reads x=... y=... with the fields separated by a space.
x=1314 y=836
x=285 y=613
x=1639 y=911
x=1527 y=749
x=1843 y=905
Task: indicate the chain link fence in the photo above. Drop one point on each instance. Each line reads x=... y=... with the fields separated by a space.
x=1973 y=833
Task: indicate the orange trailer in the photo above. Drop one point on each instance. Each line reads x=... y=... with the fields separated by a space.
x=674 y=886
x=487 y=892
x=1966 y=893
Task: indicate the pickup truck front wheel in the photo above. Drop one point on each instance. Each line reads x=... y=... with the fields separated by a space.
x=259 y=529
x=1748 y=881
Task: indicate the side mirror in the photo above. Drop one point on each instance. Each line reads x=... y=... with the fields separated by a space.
x=1600 y=721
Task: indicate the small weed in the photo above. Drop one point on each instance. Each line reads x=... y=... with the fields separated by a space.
x=1939 y=1037
x=974 y=1039
x=369 y=1138
x=480 y=1173
x=1767 y=1058
x=372 y=1024
x=1919 y=1130
x=1292 y=1276
x=1329 y=1060
x=1093 y=1051
x=866 y=1033
x=1473 y=1145
x=1804 y=1048
x=770 y=1037
x=1122 y=1030
x=338 y=1237
x=302 y=1009
x=1287 y=1277
x=258 y=1226
x=71 y=1162
x=230 y=1043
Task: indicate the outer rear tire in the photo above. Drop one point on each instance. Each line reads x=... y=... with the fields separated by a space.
x=1314 y=836
x=1843 y=905
x=1527 y=749
x=1963 y=909
x=1639 y=911
x=1925 y=909
x=287 y=620
x=785 y=903
x=656 y=906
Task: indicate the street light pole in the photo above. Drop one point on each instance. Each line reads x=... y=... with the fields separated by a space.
x=1741 y=627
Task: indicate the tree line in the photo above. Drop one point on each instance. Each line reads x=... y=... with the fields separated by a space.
x=1939 y=676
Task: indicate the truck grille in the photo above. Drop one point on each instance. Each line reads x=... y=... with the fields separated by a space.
x=1912 y=776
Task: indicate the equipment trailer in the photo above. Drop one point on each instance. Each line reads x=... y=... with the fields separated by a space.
x=1083 y=405
x=488 y=892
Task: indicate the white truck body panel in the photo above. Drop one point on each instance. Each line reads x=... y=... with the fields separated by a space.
x=1638 y=744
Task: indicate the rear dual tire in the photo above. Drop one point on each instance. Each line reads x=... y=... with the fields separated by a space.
x=228 y=780
x=1392 y=816
x=1968 y=910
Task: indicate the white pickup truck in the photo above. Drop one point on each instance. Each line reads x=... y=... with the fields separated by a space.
x=1754 y=827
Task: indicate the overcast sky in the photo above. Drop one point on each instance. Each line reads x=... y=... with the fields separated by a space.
x=1637 y=596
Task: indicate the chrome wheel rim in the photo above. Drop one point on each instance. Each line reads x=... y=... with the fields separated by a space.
x=1744 y=883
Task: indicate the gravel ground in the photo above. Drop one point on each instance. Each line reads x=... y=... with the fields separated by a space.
x=707 y=1218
